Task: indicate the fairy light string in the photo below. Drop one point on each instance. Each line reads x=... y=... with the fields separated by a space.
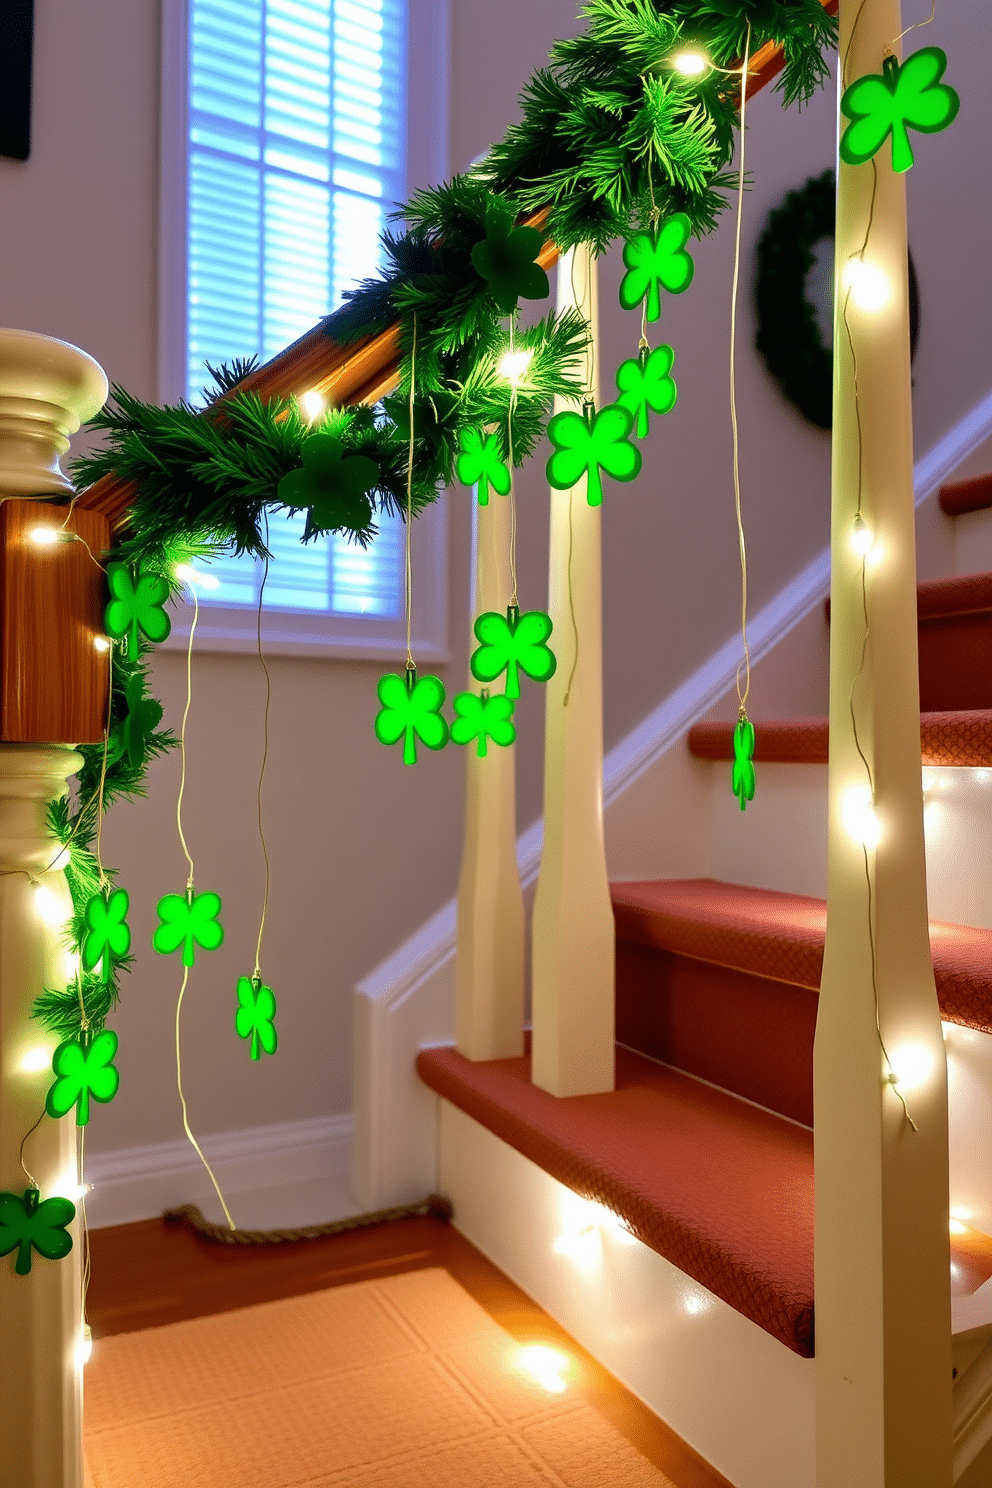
x=257 y=977
x=408 y=565
x=745 y=664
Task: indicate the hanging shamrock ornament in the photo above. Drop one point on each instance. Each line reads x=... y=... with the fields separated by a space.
x=25 y=1224
x=742 y=772
x=513 y=644
x=411 y=710
x=136 y=606
x=645 y=382
x=331 y=485
x=480 y=463
x=587 y=442
x=85 y=1069
x=255 y=1017
x=107 y=939
x=657 y=259
x=483 y=717
x=188 y=920
x=505 y=259
x=130 y=736
x=907 y=95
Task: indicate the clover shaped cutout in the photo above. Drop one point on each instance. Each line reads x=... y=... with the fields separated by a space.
x=136 y=605
x=331 y=484
x=505 y=259
x=742 y=772
x=86 y=1070
x=656 y=260
x=26 y=1224
x=255 y=1017
x=480 y=463
x=188 y=920
x=903 y=96
x=108 y=938
x=645 y=383
x=130 y=736
x=588 y=442
x=513 y=643
x=483 y=717
x=411 y=710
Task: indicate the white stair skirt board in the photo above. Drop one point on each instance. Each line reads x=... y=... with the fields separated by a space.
x=656 y=804
x=740 y=1398
x=275 y=1177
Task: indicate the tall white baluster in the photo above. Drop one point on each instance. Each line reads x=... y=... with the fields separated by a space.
x=573 y=933
x=883 y=1321
x=489 y=964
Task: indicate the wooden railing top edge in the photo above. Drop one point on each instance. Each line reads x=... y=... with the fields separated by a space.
x=363 y=371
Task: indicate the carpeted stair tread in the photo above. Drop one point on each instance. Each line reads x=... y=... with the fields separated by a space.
x=720 y=1188
x=955 y=738
x=776 y=935
x=958 y=497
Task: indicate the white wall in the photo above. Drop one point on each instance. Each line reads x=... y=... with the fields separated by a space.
x=363 y=849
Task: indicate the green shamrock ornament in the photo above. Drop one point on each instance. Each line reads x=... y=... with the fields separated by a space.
x=657 y=260
x=480 y=463
x=331 y=484
x=25 y=1223
x=188 y=920
x=85 y=1068
x=513 y=644
x=742 y=773
x=411 y=710
x=588 y=441
x=645 y=382
x=136 y=605
x=505 y=259
x=483 y=717
x=255 y=1016
x=130 y=736
x=108 y=938
x=902 y=96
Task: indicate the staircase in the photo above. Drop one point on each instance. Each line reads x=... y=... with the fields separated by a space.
x=704 y=1151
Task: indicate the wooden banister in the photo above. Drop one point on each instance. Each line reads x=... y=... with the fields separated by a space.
x=364 y=371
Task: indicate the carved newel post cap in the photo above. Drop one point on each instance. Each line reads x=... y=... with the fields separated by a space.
x=47 y=389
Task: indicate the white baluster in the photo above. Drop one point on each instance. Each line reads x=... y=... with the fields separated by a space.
x=883 y=1359
x=489 y=965
x=573 y=932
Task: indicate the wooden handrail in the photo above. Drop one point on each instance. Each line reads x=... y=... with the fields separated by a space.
x=366 y=370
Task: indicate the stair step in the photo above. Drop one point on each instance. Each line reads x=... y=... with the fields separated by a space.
x=718 y=1187
x=958 y=497
x=956 y=739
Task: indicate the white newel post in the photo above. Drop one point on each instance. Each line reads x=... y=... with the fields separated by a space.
x=40 y=1314
x=489 y=963
x=573 y=933
x=883 y=1317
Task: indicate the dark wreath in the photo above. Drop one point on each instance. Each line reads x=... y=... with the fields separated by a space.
x=789 y=337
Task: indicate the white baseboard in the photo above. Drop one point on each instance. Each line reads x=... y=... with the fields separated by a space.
x=132 y=1183
x=407 y=1002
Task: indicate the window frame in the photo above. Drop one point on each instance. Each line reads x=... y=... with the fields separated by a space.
x=300 y=632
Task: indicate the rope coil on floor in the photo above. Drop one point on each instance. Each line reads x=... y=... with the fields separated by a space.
x=433 y=1206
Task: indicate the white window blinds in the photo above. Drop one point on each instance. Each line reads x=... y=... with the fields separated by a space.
x=296 y=151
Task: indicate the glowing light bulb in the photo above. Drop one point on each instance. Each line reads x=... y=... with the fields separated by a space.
x=961 y=1212
x=47 y=907
x=62 y=861
x=869 y=286
x=36 y=1059
x=84 y=1346
x=45 y=537
x=862 y=537
x=102 y=643
x=513 y=365
x=955 y=1227
x=546 y=1366
x=691 y=64
x=313 y=404
x=858 y=815
x=190 y=575
x=911 y=1066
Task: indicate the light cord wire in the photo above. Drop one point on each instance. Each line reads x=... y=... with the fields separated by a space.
x=579 y=300
x=261 y=773
x=513 y=483
x=745 y=663
x=408 y=567
x=189 y=889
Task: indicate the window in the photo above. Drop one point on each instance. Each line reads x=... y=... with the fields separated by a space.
x=292 y=120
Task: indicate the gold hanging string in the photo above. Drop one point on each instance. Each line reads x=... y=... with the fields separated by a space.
x=745 y=664
x=410 y=666
x=513 y=482
x=265 y=759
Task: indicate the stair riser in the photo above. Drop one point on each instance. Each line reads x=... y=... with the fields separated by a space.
x=956 y=662
x=780 y=841
x=749 y=1034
